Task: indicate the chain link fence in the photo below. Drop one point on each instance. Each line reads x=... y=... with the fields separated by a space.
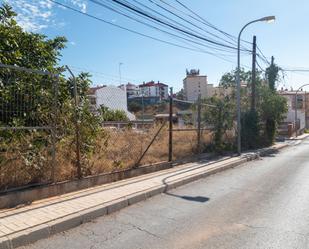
x=28 y=100
x=45 y=140
x=191 y=134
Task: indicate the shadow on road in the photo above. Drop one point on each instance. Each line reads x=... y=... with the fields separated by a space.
x=270 y=153
x=201 y=199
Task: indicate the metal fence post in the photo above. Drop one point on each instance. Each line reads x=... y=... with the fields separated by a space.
x=170 y=144
x=54 y=127
x=77 y=129
x=199 y=124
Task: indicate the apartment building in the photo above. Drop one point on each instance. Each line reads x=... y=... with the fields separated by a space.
x=194 y=85
x=131 y=89
x=154 y=89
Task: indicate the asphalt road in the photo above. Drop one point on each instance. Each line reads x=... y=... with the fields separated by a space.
x=261 y=204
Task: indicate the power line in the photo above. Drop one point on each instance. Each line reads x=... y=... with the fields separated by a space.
x=158 y=29
x=174 y=14
x=130 y=30
x=203 y=19
x=193 y=24
x=296 y=70
x=171 y=26
x=262 y=56
x=138 y=33
x=263 y=70
x=205 y=22
x=208 y=23
x=116 y=77
x=145 y=6
x=138 y=11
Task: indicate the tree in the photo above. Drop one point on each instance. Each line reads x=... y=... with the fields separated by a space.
x=272 y=74
x=272 y=108
x=229 y=79
x=220 y=113
x=36 y=51
x=25 y=49
x=250 y=129
x=181 y=94
x=258 y=126
x=108 y=114
x=33 y=51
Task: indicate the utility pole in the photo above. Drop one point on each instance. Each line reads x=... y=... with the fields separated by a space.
x=253 y=83
x=170 y=140
x=199 y=125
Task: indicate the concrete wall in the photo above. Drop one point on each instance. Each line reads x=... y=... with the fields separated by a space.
x=290 y=117
x=22 y=196
x=14 y=198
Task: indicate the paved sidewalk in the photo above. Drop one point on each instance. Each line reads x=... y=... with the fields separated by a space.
x=300 y=137
x=20 y=226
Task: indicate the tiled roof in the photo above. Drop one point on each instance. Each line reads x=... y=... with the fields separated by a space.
x=152 y=83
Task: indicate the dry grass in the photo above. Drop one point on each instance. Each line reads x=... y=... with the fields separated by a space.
x=21 y=163
x=114 y=150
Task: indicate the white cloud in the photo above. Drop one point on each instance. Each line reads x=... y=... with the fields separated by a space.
x=35 y=15
x=81 y=4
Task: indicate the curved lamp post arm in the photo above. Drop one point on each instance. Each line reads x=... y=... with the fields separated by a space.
x=264 y=19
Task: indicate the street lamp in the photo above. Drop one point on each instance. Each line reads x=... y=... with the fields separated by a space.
x=264 y=19
x=296 y=107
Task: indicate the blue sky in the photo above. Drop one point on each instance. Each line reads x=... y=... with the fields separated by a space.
x=99 y=48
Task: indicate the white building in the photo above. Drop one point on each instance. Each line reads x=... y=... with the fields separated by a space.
x=132 y=90
x=195 y=84
x=110 y=96
x=152 y=89
x=301 y=108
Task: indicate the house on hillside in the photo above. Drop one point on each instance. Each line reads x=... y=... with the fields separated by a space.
x=109 y=96
x=153 y=89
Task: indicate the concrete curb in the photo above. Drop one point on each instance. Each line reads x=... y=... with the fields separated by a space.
x=31 y=235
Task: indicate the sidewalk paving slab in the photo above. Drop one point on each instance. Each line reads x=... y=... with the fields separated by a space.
x=41 y=219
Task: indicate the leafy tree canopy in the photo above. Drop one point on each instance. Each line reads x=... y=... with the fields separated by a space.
x=229 y=79
x=180 y=94
x=108 y=114
x=220 y=113
x=29 y=97
x=27 y=49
